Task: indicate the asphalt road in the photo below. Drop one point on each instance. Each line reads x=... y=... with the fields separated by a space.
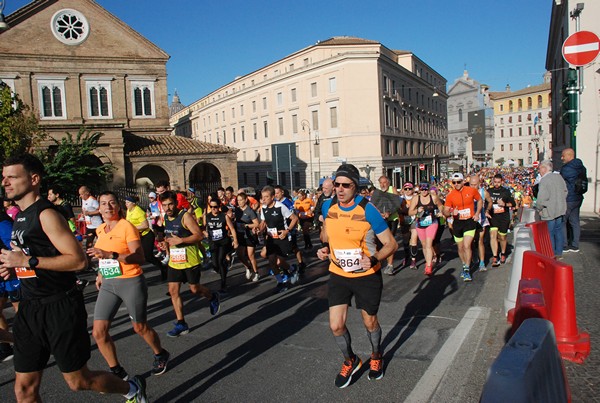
x=439 y=337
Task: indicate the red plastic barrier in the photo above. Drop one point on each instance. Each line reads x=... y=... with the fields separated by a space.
x=541 y=238
x=556 y=279
x=530 y=303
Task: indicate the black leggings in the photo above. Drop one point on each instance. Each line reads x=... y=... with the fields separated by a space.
x=218 y=251
x=148 y=247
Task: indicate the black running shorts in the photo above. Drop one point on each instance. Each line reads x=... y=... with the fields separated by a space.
x=366 y=291
x=58 y=327
x=190 y=276
x=279 y=247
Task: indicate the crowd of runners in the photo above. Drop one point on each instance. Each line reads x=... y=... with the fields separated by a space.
x=357 y=229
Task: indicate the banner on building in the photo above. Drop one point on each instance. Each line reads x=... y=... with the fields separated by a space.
x=477 y=130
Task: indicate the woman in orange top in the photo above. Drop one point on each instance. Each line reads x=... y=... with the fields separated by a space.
x=120 y=279
x=305 y=207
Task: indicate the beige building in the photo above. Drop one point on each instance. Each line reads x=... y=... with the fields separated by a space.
x=588 y=128
x=341 y=100
x=78 y=65
x=523 y=124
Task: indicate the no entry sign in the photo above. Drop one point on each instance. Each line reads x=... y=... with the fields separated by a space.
x=581 y=48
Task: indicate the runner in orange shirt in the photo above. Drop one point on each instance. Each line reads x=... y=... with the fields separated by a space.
x=460 y=205
x=305 y=207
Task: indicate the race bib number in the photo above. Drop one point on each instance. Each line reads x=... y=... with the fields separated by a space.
x=464 y=213
x=217 y=234
x=498 y=209
x=426 y=221
x=24 y=272
x=109 y=268
x=273 y=232
x=178 y=255
x=88 y=220
x=348 y=259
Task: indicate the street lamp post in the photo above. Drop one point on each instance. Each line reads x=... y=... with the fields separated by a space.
x=306 y=125
x=3 y=24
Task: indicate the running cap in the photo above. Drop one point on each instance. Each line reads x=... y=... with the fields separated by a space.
x=349 y=171
x=192 y=190
x=424 y=186
x=458 y=176
x=152 y=194
x=408 y=184
x=129 y=199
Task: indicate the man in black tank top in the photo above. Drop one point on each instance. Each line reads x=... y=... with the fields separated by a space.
x=52 y=318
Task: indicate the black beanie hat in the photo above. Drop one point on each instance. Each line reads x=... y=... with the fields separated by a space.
x=349 y=171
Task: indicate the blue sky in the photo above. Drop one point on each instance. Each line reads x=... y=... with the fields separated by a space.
x=211 y=42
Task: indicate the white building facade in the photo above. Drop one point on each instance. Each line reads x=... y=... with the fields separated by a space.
x=343 y=100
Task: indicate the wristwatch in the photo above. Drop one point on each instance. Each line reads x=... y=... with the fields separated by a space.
x=374 y=261
x=114 y=256
x=33 y=262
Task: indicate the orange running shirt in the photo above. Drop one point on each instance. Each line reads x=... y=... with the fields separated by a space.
x=464 y=201
x=116 y=241
x=303 y=207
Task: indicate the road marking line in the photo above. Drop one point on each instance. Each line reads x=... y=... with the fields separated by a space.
x=430 y=380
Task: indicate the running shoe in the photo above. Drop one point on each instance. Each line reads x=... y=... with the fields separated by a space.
x=495 y=262
x=389 y=270
x=215 y=304
x=466 y=276
x=255 y=277
x=281 y=287
x=159 y=366
x=428 y=270
x=140 y=395
x=405 y=262
x=165 y=260
x=502 y=258
x=413 y=264
x=482 y=266
x=301 y=267
x=120 y=372
x=574 y=249
x=178 y=330
x=349 y=368
x=294 y=274
x=376 y=364
x=248 y=274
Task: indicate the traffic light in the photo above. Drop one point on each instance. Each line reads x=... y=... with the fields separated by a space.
x=570 y=99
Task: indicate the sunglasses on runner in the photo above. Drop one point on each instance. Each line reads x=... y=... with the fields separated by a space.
x=214 y=206
x=456 y=182
x=344 y=185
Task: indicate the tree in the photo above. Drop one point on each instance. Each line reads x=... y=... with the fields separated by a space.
x=19 y=127
x=500 y=161
x=71 y=162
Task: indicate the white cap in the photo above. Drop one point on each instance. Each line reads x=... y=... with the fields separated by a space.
x=458 y=176
x=152 y=194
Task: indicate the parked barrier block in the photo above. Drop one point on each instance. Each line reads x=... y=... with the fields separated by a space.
x=530 y=303
x=541 y=238
x=528 y=369
x=523 y=242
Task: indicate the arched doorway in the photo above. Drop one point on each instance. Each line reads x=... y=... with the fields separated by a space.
x=149 y=175
x=205 y=178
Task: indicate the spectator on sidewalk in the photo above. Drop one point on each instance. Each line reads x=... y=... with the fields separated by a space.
x=575 y=176
x=552 y=205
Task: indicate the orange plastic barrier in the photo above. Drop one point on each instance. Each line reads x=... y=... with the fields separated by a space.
x=541 y=238
x=558 y=288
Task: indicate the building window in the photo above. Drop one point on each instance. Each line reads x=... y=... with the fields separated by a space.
x=244 y=156
x=387 y=115
x=99 y=99
x=519 y=119
x=233 y=113
x=313 y=90
x=280 y=123
x=264 y=103
x=223 y=115
x=253 y=106
x=333 y=117
x=520 y=147
x=52 y=99
x=243 y=133
x=509 y=132
x=295 y=124
x=520 y=104
x=255 y=131
x=502 y=147
x=241 y=110
x=510 y=106
x=501 y=132
x=315 y=119
x=332 y=85
x=501 y=121
x=294 y=99
x=501 y=107
x=510 y=146
x=529 y=103
x=520 y=131
x=388 y=147
x=335 y=148
x=460 y=115
x=279 y=99
x=233 y=134
x=317 y=150
x=539 y=101
x=266 y=128
x=70 y=27
x=266 y=154
x=143 y=98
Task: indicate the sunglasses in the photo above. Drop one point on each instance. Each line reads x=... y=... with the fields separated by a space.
x=408 y=188
x=456 y=182
x=214 y=206
x=344 y=185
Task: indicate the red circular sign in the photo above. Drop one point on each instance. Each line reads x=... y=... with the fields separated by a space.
x=422 y=167
x=581 y=48
x=536 y=164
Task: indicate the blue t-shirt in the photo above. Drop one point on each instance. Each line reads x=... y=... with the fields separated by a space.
x=372 y=215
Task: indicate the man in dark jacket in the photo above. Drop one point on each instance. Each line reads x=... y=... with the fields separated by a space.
x=571 y=170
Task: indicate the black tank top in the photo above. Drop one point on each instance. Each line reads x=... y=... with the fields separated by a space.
x=174 y=226
x=216 y=226
x=429 y=208
x=28 y=235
